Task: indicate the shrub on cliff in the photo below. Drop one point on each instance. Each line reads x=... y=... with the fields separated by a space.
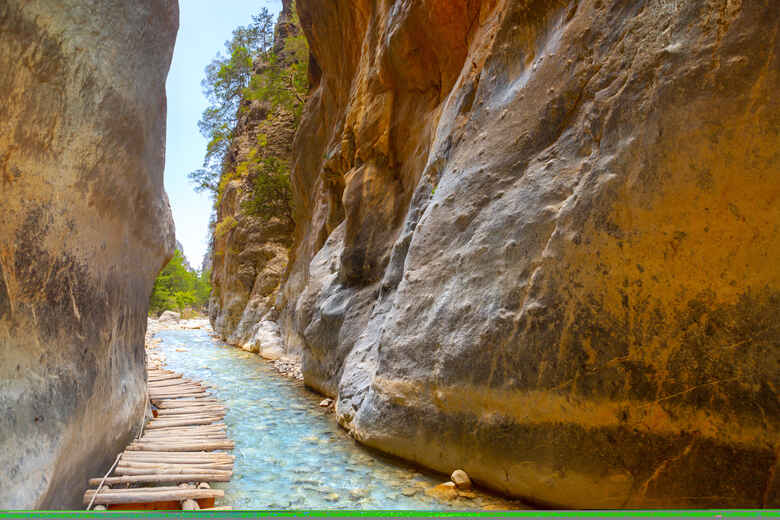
x=271 y=195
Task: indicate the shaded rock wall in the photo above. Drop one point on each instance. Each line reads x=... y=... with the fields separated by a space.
x=84 y=228
x=538 y=240
x=249 y=254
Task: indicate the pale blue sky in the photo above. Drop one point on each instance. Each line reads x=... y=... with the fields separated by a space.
x=204 y=26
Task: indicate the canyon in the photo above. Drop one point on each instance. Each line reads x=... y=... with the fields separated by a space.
x=537 y=240
x=85 y=227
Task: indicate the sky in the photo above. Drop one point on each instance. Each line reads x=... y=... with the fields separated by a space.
x=204 y=27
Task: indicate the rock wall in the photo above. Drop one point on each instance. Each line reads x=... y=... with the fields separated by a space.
x=538 y=240
x=85 y=227
x=249 y=254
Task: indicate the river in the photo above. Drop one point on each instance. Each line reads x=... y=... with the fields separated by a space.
x=290 y=453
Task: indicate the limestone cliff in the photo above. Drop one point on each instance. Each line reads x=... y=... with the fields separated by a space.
x=249 y=253
x=538 y=240
x=85 y=226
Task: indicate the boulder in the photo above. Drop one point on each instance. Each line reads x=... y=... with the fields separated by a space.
x=168 y=316
x=461 y=479
x=85 y=228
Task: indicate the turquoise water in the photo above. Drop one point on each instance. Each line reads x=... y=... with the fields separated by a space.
x=289 y=452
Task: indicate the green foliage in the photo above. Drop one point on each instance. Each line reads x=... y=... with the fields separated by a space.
x=284 y=84
x=176 y=287
x=271 y=191
x=225 y=226
x=280 y=86
x=226 y=79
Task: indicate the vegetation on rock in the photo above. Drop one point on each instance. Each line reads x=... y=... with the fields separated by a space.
x=224 y=84
x=258 y=69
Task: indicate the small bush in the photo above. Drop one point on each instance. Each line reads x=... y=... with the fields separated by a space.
x=224 y=227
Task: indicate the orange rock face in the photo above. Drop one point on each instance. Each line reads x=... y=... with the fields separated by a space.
x=538 y=240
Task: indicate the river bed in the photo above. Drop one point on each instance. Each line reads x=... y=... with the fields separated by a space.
x=290 y=453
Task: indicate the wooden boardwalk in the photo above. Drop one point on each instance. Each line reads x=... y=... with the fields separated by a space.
x=172 y=463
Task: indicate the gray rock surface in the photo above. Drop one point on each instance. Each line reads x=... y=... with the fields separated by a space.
x=84 y=228
x=539 y=241
x=169 y=316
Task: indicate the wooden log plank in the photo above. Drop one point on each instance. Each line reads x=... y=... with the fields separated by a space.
x=193 y=408
x=227 y=472
x=183 y=418
x=167 y=437
x=179 y=462
x=190 y=411
x=161 y=478
x=216 y=417
x=222 y=465
x=122 y=491
x=156 y=397
x=184 y=447
x=166 y=457
x=176 y=394
x=181 y=403
x=163 y=377
x=186 y=438
x=174 y=382
x=183 y=389
x=215 y=427
x=176 y=469
x=127 y=463
x=186 y=454
x=188 y=406
x=201 y=428
x=188 y=422
x=187 y=416
x=150 y=495
x=164 y=430
x=189 y=459
x=179 y=386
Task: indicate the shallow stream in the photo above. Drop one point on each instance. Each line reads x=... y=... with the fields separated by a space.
x=290 y=453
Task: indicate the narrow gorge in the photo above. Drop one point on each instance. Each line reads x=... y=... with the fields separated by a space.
x=534 y=240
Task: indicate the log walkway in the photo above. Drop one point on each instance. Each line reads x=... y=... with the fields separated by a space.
x=172 y=463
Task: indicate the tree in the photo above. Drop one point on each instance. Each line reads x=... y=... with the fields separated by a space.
x=224 y=84
x=271 y=192
x=176 y=287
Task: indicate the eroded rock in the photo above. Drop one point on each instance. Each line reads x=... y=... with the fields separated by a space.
x=539 y=240
x=169 y=316
x=85 y=228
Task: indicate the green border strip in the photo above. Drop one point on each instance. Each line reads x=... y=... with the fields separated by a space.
x=653 y=513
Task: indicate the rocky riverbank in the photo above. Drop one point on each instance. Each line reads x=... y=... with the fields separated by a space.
x=286 y=365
